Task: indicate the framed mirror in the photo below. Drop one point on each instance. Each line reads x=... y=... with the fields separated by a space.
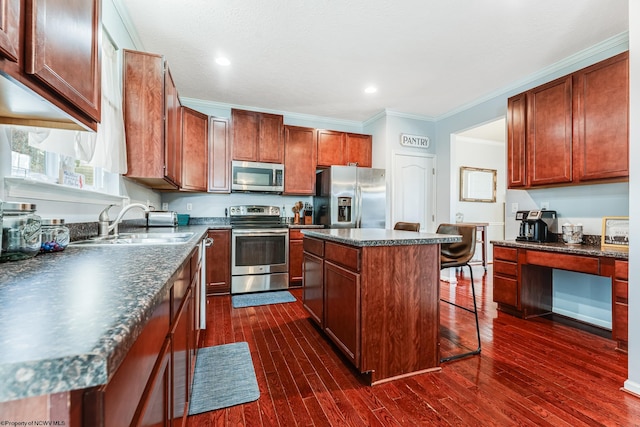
x=477 y=185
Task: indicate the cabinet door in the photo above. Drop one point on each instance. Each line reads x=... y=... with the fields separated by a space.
x=271 y=141
x=68 y=65
x=295 y=262
x=313 y=287
x=10 y=29
x=516 y=133
x=359 y=149
x=246 y=132
x=331 y=148
x=219 y=156
x=180 y=359
x=342 y=309
x=219 y=262
x=195 y=127
x=601 y=121
x=155 y=407
x=549 y=133
x=300 y=147
x=173 y=140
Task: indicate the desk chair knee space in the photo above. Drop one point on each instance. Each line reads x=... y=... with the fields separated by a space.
x=458 y=255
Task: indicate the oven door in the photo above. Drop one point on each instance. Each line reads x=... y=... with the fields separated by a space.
x=259 y=251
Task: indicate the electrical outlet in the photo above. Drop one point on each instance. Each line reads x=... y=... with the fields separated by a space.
x=544 y=205
x=189 y=206
x=165 y=206
x=514 y=208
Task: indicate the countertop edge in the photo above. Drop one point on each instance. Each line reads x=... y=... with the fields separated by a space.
x=561 y=247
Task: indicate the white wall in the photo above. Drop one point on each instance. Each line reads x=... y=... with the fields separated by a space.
x=483 y=154
x=633 y=383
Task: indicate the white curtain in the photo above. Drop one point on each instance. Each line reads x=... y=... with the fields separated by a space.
x=110 y=149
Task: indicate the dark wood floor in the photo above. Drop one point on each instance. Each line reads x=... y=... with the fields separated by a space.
x=530 y=373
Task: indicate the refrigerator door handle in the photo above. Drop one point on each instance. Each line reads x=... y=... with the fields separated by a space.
x=358 y=206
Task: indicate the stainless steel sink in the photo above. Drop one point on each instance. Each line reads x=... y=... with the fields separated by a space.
x=137 y=239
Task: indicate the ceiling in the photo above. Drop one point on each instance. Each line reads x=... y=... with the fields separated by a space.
x=426 y=57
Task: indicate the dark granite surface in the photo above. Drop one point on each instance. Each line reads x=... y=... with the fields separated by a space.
x=69 y=318
x=561 y=247
x=380 y=237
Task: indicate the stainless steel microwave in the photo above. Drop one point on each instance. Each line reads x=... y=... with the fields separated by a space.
x=256 y=176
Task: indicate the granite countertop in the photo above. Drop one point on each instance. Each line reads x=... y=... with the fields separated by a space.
x=380 y=237
x=561 y=247
x=69 y=318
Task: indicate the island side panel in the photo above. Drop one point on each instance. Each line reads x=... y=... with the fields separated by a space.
x=400 y=293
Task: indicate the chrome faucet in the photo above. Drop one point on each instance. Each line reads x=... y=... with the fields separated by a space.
x=104 y=228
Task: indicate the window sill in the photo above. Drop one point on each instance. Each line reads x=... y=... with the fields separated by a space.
x=32 y=189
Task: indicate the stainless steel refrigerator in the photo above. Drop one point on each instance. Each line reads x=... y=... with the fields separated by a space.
x=350 y=197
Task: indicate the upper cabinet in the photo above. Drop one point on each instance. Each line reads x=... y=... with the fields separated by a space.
x=341 y=148
x=257 y=137
x=299 y=160
x=37 y=52
x=10 y=29
x=601 y=120
x=572 y=130
x=219 y=156
x=152 y=123
x=195 y=129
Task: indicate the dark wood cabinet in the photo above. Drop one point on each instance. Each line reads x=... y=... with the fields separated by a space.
x=219 y=156
x=70 y=66
x=341 y=148
x=181 y=358
x=295 y=257
x=300 y=150
x=10 y=29
x=601 y=120
x=620 y=298
x=516 y=135
x=152 y=121
x=359 y=149
x=195 y=132
x=342 y=309
x=37 y=53
x=155 y=408
x=505 y=278
x=257 y=137
x=572 y=130
x=219 y=262
x=549 y=133
x=331 y=148
x=313 y=279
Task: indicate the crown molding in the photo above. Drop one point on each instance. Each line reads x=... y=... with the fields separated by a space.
x=122 y=11
x=617 y=41
x=195 y=103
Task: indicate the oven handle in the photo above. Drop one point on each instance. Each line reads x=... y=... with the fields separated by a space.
x=260 y=232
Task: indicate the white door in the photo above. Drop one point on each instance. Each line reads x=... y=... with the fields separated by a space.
x=414 y=190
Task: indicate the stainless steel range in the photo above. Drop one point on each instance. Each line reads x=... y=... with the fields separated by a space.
x=259 y=249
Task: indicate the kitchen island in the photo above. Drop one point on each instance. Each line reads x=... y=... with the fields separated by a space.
x=84 y=327
x=375 y=293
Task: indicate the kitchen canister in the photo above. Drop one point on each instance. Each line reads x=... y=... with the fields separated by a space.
x=20 y=231
x=55 y=236
x=572 y=234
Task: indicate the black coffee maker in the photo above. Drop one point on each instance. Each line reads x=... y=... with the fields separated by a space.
x=537 y=226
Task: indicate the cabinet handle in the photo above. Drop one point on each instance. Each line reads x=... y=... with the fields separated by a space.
x=208 y=242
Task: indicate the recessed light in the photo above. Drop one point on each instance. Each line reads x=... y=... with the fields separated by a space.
x=221 y=60
x=371 y=89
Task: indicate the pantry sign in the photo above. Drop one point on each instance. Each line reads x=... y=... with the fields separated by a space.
x=414 y=140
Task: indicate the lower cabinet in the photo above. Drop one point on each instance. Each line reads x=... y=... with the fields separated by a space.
x=219 y=262
x=621 y=305
x=313 y=287
x=505 y=278
x=295 y=257
x=342 y=309
x=152 y=384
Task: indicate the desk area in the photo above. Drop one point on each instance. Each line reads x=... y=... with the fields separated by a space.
x=523 y=285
